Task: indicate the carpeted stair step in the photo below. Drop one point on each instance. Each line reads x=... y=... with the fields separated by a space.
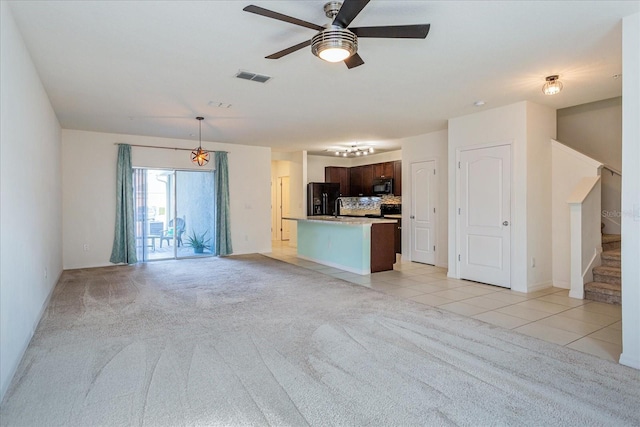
x=611 y=242
x=603 y=292
x=607 y=274
x=611 y=258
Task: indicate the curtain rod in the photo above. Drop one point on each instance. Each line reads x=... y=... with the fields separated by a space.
x=165 y=148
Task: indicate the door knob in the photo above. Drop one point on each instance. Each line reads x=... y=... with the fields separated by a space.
x=505 y=223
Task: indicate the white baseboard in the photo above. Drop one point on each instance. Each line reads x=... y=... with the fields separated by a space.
x=629 y=361
x=27 y=341
x=562 y=284
x=539 y=286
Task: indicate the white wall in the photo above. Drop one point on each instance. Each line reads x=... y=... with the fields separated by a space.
x=431 y=146
x=30 y=198
x=504 y=125
x=88 y=182
x=316 y=164
x=389 y=156
x=594 y=129
x=297 y=163
x=568 y=167
x=541 y=128
x=631 y=192
x=527 y=128
x=279 y=169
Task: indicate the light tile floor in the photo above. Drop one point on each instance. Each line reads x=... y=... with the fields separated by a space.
x=549 y=314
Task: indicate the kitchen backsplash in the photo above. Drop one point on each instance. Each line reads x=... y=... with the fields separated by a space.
x=366 y=205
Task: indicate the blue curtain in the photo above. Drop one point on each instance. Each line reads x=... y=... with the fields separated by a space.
x=223 y=224
x=124 y=240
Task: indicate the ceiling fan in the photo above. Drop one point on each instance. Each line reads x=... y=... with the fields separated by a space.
x=335 y=42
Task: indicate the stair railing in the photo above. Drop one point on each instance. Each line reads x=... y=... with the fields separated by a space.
x=611 y=200
x=586 y=238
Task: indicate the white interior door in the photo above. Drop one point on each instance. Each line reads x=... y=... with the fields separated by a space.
x=285 y=208
x=423 y=189
x=485 y=214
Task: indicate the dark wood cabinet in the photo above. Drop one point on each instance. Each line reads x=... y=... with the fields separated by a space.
x=397 y=178
x=358 y=180
x=397 y=241
x=382 y=242
x=384 y=170
x=341 y=175
x=355 y=177
x=367 y=180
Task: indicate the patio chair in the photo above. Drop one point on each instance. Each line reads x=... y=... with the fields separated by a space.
x=178 y=229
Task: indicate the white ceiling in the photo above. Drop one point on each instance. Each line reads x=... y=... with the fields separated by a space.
x=151 y=67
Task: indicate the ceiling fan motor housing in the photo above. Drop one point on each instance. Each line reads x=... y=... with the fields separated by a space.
x=334 y=37
x=332 y=8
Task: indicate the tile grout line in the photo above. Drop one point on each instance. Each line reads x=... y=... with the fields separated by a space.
x=471 y=283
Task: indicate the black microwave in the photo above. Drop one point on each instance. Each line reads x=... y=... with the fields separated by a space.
x=383 y=186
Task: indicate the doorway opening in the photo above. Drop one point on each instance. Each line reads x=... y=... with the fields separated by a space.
x=174 y=213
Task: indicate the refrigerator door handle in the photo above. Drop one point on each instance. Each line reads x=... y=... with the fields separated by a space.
x=324 y=203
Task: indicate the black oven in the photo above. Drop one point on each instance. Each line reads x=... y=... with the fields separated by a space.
x=383 y=186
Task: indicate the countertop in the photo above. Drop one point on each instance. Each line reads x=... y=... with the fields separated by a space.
x=394 y=216
x=344 y=220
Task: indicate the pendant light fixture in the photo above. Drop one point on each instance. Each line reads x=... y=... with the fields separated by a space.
x=552 y=86
x=199 y=156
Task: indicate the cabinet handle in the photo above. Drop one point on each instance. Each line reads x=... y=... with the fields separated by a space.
x=411 y=217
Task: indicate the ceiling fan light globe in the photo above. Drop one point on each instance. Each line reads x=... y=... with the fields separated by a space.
x=334 y=54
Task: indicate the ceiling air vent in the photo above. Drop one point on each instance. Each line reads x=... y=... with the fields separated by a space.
x=261 y=78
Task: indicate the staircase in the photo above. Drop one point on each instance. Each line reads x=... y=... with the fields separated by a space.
x=607 y=278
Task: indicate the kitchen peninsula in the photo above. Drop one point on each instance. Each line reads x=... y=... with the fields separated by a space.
x=358 y=245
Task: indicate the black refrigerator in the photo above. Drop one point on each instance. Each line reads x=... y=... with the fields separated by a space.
x=321 y=198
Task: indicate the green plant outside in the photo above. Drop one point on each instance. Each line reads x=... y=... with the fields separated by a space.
x=198 y=242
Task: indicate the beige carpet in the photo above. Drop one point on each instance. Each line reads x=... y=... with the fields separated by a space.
x=249 y=340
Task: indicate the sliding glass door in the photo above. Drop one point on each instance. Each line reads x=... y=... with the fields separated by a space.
x=174 y=213
x=195 y=203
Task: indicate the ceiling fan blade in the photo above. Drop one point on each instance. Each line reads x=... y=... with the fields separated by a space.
x=353 y=61
x=418 y=31
x=279 y=16
x=289 y=50
x=348 y=11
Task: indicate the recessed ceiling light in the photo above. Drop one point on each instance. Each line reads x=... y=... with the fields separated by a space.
x=479 y=103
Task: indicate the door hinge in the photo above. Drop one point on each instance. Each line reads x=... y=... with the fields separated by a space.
x=434 y=171
x=434 y=210
x=458 y=165
x=458 y=257
x=458 y=211
x=434 y=248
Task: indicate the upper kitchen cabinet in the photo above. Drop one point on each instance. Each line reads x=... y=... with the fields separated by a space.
x=361 y=180
x=341 y=176
x=397 y=178
x=355 y=181
x=384 y=170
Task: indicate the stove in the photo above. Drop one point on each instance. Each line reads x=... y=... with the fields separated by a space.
x=390 y=209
